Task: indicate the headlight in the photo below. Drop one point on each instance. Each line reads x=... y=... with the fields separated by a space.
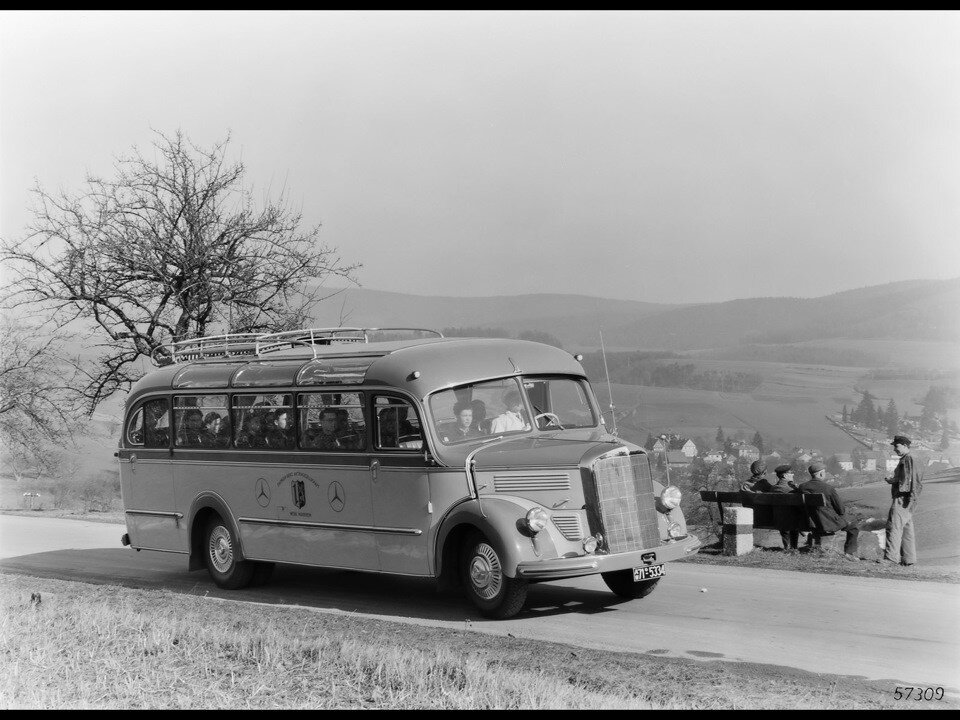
x=537 y=519
x=670 y=497
x=590 y=544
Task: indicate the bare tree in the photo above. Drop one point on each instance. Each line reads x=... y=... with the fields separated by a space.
x=173 y=247
x=39 y=405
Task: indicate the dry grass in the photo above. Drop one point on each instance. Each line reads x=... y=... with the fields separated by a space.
x=87 y=646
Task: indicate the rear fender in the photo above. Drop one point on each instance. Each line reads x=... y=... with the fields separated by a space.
x=204 y=506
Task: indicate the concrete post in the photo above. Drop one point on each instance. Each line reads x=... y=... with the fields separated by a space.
x=737 y=530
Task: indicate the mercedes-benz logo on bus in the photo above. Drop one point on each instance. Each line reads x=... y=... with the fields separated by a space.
x=336 y=496
x=262 y=492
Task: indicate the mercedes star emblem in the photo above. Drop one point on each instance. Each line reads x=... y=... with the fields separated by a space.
x=336 y=496
x=263 y=492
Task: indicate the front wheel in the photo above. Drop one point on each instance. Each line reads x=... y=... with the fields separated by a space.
x=621 y=583
x=223 y=561
x=494 y=594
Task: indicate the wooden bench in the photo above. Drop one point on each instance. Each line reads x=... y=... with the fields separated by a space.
x=771 y=511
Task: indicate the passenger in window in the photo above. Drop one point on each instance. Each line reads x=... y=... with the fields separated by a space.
x=279 y=429
x=325 y=436
x=479 y=416
x=216 y=431
x=191 y=431
x=460 y=429
x=511 y=419
x=251 y=433
x=350 y=437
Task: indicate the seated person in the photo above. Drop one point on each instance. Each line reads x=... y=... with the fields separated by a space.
x=831 y=517
x=395 y=431
x=479 y=414
x=462 y=428
x=215 y=430
x=252 y=433
x=511 y=419
x=280 y=430
x=350 y=437
x=191 y=432
x=325 y=436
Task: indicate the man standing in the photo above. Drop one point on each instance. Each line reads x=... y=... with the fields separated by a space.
x=829 y=518
x=905 y=487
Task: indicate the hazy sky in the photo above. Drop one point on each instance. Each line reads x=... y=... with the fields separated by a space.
x=659 y=156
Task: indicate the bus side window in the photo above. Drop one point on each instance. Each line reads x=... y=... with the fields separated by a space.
x=156 y=423
x=398 y=427
x=135 y=428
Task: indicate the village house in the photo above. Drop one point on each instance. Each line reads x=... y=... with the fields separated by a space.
x=844 y=460
x=712 y=456
x=891 y=462
x=676 y=458
x=689 y=449
x=872 y=460
x=748 y=451
x=659 y=446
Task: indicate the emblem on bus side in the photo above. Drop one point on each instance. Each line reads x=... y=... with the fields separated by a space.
x=262 y=490
x=299 y=493
x=336 y=496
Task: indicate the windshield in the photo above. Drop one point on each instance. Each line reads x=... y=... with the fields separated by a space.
x=510 y=406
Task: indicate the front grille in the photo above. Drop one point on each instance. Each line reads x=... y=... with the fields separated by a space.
x=625 y=504
x=530 y=482
x=569 y=526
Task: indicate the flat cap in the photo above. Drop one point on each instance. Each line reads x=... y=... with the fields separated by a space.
x=758 y=467
x=782 y=470
x=901 y=440
x=816 y=467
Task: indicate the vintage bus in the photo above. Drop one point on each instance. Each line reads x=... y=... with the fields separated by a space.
x=481 y=462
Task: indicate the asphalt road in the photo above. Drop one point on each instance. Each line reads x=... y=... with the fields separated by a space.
x=881 y=629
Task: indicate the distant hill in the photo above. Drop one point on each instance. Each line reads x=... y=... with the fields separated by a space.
x=909 y=310
x=572 y=318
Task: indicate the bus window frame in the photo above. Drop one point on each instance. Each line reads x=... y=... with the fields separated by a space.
x=139 y=408
x=375 y=422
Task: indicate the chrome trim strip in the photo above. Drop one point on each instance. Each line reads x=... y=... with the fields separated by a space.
x=175 y=552
x=157 y=513
x=332 y=526
x=532 y=571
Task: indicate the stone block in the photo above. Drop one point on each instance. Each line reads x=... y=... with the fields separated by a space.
x=737 y=530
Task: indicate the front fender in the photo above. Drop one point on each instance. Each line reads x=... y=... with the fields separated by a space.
x=501 y=522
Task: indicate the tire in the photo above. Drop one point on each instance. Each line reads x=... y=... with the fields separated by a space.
x=494 y=594
x=621 y=583
x=222 y=558
x=262 y=572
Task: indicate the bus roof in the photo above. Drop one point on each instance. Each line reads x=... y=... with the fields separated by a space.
x=419 y=366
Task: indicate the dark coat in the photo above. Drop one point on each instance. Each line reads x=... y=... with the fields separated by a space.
x=830 y=517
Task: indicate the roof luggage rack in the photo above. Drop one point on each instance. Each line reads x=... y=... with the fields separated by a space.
x=257 y=344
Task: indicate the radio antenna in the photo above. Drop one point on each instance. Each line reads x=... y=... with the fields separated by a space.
x=606 y=371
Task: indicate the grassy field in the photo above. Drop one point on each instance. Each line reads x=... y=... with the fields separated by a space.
x=87 y=646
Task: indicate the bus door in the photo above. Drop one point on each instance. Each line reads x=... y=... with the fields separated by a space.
x=400 y=485
x=146 y=480
x=324 y=508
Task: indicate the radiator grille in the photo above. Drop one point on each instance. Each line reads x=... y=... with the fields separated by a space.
x=569 y=526
x=625 y=502
x=527 y=482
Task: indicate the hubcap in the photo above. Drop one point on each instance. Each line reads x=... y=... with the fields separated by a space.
x=486 y=575
x=221 y=549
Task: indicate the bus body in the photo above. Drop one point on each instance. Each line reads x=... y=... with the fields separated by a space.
x=323 y=448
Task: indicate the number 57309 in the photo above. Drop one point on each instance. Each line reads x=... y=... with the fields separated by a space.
x=918 y=693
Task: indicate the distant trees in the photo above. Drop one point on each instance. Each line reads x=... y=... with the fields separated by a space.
x=171 y=247
x=891 y=418
x=720 y=438
x=39 y=405
x=758 y=441
x=649 y=368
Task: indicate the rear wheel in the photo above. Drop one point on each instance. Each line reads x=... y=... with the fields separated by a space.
x=494 y=594
x=621 y=582
x=222 y=557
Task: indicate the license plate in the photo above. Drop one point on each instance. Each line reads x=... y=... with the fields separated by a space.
x=648 y=572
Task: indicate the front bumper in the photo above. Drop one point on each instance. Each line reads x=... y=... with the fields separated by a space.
x=560 y=568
